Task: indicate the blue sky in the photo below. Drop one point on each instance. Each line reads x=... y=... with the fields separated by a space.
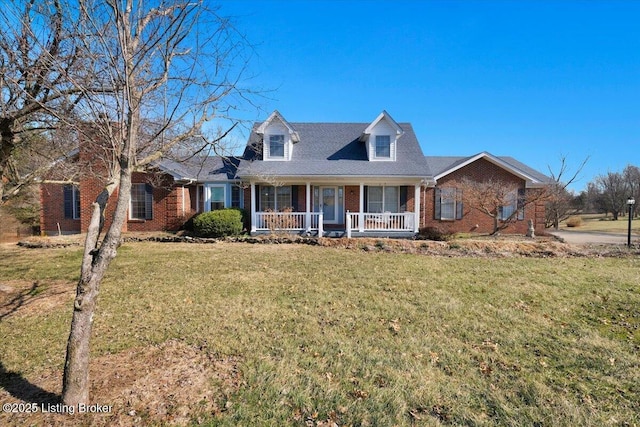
x=533 y=80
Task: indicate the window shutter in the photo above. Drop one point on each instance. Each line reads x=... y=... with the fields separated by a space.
x=459 y=205
x=437 y=203
x=294 y=198
x=148 y=201
x=521 y=201
x=366 y=198
x=403 y=198
x=67 y=192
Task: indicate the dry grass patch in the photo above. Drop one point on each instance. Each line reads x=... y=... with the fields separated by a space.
x=28 y=298
x=171 y=383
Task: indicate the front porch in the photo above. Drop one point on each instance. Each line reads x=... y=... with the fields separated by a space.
x=365 y=209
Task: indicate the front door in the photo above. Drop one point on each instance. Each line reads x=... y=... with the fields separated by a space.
x=329 y=204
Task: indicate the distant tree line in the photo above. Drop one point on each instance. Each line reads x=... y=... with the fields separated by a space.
x=607 y=193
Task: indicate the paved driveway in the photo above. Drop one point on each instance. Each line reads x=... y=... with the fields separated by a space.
x=593 y=237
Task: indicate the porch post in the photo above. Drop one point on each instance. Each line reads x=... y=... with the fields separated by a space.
x=348 y=224
x=416 y=208
x=253 y=207
x=307 y=218
x=320 y=226
x=361 y=210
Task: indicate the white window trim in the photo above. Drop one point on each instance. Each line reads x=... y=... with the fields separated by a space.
x=285 y=147
x=375 y=148
x=373 y=154
x=277 y=208
x=397 y=187
x=75 y=202
x=131 y=217
x=451 y=196
x=207 y=201
x=513 y=206
x=75 y=199
x=240 y=196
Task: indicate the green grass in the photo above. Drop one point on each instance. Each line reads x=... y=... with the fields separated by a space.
x=365 y=338
x=605 y=224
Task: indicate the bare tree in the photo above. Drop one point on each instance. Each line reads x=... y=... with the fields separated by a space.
x=40 y=60
x=560 y=201
x=504 y=202
x=614 y=191
x=173 y=64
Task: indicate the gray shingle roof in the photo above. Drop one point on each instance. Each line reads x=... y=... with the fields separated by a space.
x=441 y=164
x=202 y=169
x=334 y=149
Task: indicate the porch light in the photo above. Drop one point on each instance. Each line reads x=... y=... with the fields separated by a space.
x=630 y=202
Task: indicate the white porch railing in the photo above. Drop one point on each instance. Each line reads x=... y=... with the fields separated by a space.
x=387 y=221
x=289 y=221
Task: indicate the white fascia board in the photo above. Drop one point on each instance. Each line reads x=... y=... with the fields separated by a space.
x=276 y=115
x=383 y=115
x=176 y=177
x=496 y=161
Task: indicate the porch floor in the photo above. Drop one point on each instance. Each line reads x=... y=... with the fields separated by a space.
x=338 y=233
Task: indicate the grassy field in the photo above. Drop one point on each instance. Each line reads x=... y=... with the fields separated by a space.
x=327 y=335
x=605 y=224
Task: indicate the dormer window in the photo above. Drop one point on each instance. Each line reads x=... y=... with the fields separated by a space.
x=276 y=146
x=278 y=138
x=383 y=147
x=382 y=137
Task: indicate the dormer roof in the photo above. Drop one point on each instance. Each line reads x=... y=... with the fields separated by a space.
x=382 y=116
x=277 y=116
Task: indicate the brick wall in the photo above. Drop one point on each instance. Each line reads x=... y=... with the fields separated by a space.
x=474 y=220
x=167 y=198
x=52 y=211
x=352 y=198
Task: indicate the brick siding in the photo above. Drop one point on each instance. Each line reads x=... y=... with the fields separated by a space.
x=474 y=220
x=52 y=211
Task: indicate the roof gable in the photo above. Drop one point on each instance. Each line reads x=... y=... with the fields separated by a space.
x=276 y=116
x=443 y=166
x=382 y=116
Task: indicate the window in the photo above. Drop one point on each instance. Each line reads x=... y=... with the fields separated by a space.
x=383 y=199
x=276 y=146
x=383 y=146
x=448 y=204
x=71 y=196
x=516 y=201
x=275 y=198
x=391 y=199
x=509 y=208
x=216 y=198
x=376 y=201
x=236 y=196
x=141 y=201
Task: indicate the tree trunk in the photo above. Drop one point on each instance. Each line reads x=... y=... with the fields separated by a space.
x=96 y=260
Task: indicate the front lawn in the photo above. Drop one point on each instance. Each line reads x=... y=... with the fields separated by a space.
x=306 y=335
